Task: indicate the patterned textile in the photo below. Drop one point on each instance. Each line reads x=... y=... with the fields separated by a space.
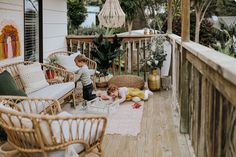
x=32 y=77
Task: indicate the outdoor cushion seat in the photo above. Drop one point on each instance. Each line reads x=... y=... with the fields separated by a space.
x=32 y=107
x=60 y=87
x=56 y=132
x=54 y=91
x=83 y=130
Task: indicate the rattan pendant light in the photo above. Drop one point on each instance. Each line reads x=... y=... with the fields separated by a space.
x=111 y=15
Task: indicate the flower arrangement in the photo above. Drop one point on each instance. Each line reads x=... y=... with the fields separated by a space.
x=156 y=56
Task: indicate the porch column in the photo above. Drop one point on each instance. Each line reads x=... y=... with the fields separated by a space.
x=170 y=17
x=184 y=96
x=185 y=18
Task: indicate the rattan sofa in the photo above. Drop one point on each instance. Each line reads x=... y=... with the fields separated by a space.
x=64 y=79
x=48 y=135
x=92 y=65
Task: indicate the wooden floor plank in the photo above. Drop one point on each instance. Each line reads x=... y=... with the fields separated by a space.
x=159 y=136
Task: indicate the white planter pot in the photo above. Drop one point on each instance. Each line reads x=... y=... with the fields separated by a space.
x=6 y=150
x=166 y=64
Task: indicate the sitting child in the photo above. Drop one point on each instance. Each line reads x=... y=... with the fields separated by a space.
x=84 y=75
x=125 y=93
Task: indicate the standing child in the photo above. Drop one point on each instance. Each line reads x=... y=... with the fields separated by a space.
x=125 y=93
x=84 y=75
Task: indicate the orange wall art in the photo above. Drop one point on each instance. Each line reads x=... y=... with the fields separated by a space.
x=9 y=42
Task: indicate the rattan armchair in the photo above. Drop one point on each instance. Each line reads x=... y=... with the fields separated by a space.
x=43 y=134
x=61 y=76
x=90 y=63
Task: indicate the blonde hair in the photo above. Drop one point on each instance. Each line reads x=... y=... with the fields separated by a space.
x=80 y=58
x=112 y=88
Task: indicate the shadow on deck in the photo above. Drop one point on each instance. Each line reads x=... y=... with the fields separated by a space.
x=159 y=136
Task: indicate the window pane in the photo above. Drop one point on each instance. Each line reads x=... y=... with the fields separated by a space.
x=31 y=34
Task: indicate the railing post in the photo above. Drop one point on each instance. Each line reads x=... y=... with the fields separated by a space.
x=185 y=13
x=170 y=17
x=184 y=95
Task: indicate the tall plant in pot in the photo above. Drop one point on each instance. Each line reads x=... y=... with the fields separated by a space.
x=155 y=62
x=104 y=52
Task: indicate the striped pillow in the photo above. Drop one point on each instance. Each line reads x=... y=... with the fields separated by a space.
x=32 y=77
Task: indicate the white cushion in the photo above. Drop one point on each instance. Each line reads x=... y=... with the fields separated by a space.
x=68 y=62
x=14 y=120
x=32 y=107
x=65 y=130
x=56 y=133
x=32 y=77
x=54 y=91
x=75 y=54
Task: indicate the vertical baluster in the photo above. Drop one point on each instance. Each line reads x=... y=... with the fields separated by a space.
x=119 y=62
x=113 y=68
x=84 y=47
x=209 y=118
x=204 y=98
x=89 y=50
x=71 y=45
x=144 y=57
x=138 y=51
x=125 y=57
x=196 y=100
x=184 y=105
x=129 y=57
x=78 y=46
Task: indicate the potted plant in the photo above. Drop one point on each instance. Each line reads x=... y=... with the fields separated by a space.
x=50 y=71
x=104 y=52
x=155 y=62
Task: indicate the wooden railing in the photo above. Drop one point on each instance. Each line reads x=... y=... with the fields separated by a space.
x=133 y=47
x=204 y=85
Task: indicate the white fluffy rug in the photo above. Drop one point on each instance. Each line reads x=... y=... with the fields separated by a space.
x=125 y=121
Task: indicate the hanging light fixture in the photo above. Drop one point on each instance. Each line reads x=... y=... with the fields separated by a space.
x=112 y=15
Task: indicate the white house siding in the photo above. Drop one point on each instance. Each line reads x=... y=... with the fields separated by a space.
x=54 y=26
x=13 y=11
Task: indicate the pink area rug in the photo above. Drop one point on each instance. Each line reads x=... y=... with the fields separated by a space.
x=125 y=121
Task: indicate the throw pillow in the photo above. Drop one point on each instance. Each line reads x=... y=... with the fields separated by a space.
x=8 y=85
x=32 y=77
x=75 y=54
x=68 y=62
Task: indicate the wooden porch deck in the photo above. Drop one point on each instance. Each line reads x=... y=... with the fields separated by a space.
x=159 y=135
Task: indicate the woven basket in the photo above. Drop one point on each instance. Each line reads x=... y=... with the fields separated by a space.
x=101 y=84
x=127 y=81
